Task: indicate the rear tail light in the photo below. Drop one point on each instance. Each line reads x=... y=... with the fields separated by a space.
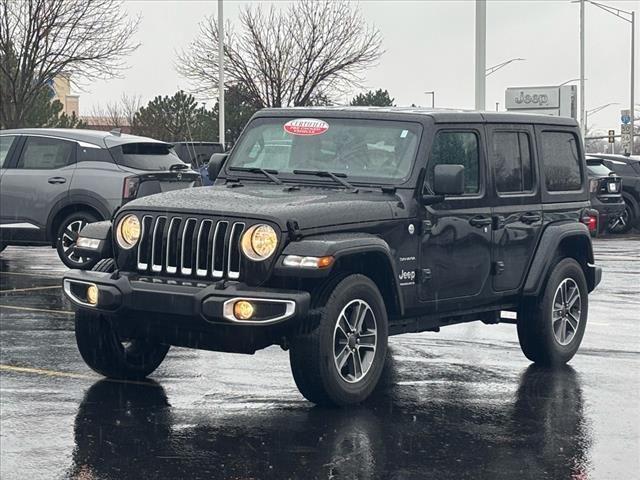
x=130 y=188
x=593 y=185
x=590 y=219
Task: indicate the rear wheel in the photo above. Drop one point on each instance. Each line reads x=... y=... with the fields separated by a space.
x=551 y=327
x=623 y=222
x=340 y=362
x=109 y=354
x=67 y=236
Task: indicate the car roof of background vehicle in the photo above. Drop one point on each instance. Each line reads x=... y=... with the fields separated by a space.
x=409 y=113
x=99 y=138
x=616 y=157
x=195 y=142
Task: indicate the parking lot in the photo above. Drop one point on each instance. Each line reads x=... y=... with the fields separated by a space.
x=462 y=403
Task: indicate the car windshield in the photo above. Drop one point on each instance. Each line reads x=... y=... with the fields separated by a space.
x=146 y=156
x=597 y=168
x=366 y=150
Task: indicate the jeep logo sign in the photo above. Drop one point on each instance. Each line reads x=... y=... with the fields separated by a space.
x=530 y=98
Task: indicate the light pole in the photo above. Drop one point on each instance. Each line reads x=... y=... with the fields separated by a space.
x=481 y=53
x=595 y=110
x=569 y=81
x=433 y=98
x=220 y=75
x=497 y=67
x=629 y=17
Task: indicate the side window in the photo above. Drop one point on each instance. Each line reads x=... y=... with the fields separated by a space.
x=46 y=154
x=511 y=157
x=5 y=145
x=561 y=162
x=457 y=148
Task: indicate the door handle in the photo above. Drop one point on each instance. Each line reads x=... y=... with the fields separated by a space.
x=530 y=217
x=480 y=221
x=54 y=180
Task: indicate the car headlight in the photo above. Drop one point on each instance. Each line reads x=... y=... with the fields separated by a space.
x=259 y=242
x=128 y=231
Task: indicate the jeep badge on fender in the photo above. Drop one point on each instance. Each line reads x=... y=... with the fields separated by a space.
x=304 y=241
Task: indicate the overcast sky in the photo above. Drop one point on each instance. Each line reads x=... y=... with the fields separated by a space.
x=429 y=45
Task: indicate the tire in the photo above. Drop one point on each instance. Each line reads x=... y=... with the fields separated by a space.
x=2 y=247
x=315 y=356
x=106 y=353
x=548 y=342
x=66 y=237
x=623 y=222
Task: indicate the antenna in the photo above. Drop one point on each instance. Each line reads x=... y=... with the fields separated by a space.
x=116 y=131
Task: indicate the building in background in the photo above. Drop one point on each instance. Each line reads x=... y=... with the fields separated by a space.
x=61 y=88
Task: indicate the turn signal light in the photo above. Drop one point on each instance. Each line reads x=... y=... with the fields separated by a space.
x=92 y=294
x=243 y=310
x=307 y=262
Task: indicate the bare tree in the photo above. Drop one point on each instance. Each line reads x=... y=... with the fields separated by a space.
x=41 y=39
x=116 y=114
x=310 y=52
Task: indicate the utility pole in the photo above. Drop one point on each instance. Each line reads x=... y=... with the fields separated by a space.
x=583 y=119
x=481 y=53
x=221 y=127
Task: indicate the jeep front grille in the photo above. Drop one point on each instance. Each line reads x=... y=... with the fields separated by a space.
x=188 y=246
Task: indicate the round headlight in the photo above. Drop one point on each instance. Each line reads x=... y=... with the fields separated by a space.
x=128 y=231
x=259 y=242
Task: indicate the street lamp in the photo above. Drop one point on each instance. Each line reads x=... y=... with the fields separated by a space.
x=433 y=98
x=497 y=67
x=595 y=110
x=569 y=81
x=627 y=16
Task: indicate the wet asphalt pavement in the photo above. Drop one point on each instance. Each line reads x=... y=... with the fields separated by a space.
x=462 y=403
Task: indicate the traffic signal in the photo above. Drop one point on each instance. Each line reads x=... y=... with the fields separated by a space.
x=612 y=134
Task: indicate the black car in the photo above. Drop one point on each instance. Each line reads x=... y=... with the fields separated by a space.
x=606 y=195
x=379 y=222
x=628 y=169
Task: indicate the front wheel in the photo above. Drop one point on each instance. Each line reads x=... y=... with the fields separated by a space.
x=106 y=352
x=67 y=236
x=551 y=327
x=340 y=362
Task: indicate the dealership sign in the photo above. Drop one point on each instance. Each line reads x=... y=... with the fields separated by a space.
x=553 y=100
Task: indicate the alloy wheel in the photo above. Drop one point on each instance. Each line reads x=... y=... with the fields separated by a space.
x=355 y=341
x=69 y=238
x=566 y=313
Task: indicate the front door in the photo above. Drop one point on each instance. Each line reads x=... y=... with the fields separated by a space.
x=455 y=249
x=517 y=208
x=33 y=184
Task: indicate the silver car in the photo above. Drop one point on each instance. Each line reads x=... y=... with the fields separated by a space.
x=55 y=181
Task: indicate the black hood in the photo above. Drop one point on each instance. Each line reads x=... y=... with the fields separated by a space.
x=311 y=207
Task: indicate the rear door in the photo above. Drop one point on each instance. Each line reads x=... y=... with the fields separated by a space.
x=37 y=180
x=517 y=207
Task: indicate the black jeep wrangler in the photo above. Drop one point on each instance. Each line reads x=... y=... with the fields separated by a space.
x=327 y=230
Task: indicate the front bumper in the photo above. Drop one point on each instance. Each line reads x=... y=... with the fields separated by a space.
x=210 y=303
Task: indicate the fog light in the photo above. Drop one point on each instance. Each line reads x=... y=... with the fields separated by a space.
x=243 y=310
x=92 y=294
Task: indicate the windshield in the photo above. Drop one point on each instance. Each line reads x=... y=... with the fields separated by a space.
x=374 y=150
x=145 y=156
x=597 y=168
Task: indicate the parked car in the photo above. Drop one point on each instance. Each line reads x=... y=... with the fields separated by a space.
x=334 y=251
x=198 y=154
x=606 y=194
x=55 y=181
x=628 y=169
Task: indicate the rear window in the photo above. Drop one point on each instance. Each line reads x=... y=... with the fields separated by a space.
x=146 y=156
x=197 y=154
x=561 y=161
x=596 y=168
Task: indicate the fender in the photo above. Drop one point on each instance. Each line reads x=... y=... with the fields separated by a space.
x=341 y=246
x=98 y=204
x=99 y=231
x=549 y=242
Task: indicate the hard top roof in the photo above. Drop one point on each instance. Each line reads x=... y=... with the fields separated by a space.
x=438 y=115
x=94 y=137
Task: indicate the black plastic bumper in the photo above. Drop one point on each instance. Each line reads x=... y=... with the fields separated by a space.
x=209 y=302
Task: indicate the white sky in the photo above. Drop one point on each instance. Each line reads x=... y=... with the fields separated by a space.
x=429 y=45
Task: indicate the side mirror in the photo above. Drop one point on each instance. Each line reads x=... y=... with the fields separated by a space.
x=448 y=179
x=216 y=162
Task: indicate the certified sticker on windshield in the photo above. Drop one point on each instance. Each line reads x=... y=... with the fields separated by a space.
x=306 y=126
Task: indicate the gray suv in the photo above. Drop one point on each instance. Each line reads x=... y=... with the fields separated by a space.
x=55 y=181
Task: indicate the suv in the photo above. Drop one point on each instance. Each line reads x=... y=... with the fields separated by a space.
x=380 y=222
x=55 y=181
x=606 y=195
x=628 y=169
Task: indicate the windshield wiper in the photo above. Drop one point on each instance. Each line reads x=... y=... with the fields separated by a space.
x=336 y=177
x=269 y=173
